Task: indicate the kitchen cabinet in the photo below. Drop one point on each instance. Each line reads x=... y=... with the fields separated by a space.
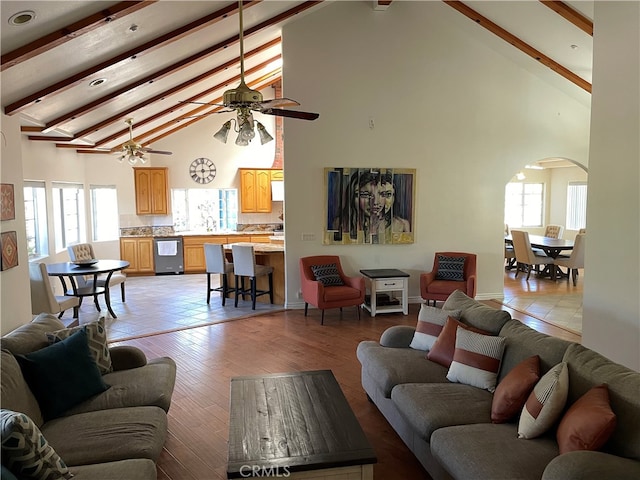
x=194 y=261
x=138 y=251
x=255 y=190
x=152 y=190
x=259 y=239
x=277 y=175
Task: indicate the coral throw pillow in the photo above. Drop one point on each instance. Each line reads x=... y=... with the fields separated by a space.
x=588 y=423
x=514 y=389
x=445 y=346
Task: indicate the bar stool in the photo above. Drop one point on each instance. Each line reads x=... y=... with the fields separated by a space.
x=244 y=265
x=217 y=264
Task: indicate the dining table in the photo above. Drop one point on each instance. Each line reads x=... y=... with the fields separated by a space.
x=73 y=270
x=552 y=247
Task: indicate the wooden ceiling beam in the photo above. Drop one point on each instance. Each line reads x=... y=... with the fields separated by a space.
x=76 y=29
x=184 y=63
x=568 y=13
x=127 y=56
x=519 y=44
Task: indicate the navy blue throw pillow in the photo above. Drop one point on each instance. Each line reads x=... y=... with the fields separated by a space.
x=62 y=375
x=327 y=274
x=450 y=268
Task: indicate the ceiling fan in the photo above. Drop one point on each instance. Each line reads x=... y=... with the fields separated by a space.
x=243 y=100
x=133 y=151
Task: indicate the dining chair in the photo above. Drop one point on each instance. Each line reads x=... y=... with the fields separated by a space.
x=576 y=260
x=84 y=251
x=244 y=265
x=554 y=231
x=329 y=287
x=216 y=263
x=526 y=257
x=43 y=298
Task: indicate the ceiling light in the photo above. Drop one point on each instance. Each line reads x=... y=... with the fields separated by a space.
x=22 y=18
x=244 y=127
x=97 y=82
x=574 y=47
x=534 y=167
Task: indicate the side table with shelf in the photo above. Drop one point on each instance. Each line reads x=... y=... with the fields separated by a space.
x=382 y=283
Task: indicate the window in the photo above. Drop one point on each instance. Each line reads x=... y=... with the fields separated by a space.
x=35 y=208
x=576 y=205
x=208 y=209
x=523 y=204
x=68 y=214
x=104 y=212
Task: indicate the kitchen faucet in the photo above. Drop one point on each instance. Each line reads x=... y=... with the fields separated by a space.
x=213 y=223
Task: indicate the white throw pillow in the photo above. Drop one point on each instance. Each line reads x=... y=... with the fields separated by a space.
x=431 y=320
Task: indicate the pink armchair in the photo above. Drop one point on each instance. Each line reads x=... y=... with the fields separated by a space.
x=324 y=296
x=435 y=289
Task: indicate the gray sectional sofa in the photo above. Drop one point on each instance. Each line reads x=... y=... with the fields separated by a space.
x=448 y=425
x=116 y=434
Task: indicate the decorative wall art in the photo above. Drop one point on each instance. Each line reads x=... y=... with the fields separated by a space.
x=9 y=245
x=7 y=202
x=369 y=206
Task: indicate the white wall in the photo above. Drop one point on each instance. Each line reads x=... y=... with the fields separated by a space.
x=611 y=316
x=15 y=308
x=465 y=117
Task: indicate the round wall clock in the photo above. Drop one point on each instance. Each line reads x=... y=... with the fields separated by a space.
x=202 y=170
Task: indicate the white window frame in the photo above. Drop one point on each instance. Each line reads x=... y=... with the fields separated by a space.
x=576 y=205
x=524 y=204
x=68 y=214
x=104 y=213
x=36 y=221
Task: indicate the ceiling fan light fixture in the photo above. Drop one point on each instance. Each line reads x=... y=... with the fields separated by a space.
x=223 y=133
x=264 y=135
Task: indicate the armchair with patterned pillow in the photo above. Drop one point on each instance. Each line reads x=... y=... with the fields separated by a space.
x=325 y=285
x=451 y=271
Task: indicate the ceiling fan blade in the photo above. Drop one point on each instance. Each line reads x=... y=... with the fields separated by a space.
x=279 y=112
x=157 y=152
x=279 y=102
x=203 y=103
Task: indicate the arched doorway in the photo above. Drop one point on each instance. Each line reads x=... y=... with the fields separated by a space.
x=549 y=191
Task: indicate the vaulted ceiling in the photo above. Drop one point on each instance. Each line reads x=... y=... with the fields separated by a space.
x=78 y=69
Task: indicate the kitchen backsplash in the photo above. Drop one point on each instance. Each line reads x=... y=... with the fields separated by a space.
x=168 y=230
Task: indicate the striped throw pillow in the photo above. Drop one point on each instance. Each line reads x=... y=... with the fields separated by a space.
x=450 y=268
x=431 y=321
x=327 y=274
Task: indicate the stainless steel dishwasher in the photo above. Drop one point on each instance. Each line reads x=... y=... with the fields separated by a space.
x=168 y=255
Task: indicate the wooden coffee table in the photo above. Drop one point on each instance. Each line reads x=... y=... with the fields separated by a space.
x=295 y=425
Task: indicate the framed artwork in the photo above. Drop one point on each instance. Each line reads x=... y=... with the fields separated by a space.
x=9 y=243
x=7 y=202
x=369 y=206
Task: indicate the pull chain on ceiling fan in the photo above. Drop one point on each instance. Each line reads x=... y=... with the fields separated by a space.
x=243 y=100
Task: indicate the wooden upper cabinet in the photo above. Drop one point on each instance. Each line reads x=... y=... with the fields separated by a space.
x=277 y=175
x=255 y=190
x=152 y=190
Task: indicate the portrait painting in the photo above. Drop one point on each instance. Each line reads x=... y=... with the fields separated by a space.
x=369 y=206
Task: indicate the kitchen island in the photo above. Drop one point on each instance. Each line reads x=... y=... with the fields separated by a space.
x=268 y=254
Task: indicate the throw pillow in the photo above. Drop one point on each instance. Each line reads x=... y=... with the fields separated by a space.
x=62 y=375
x=97 y=339
x=588 y=423
x=476 y=359
x=450 y=268
x=327 y=274
x=26 y=452
x=513 y=390
x=545 y=404
x=431 y=320
x=444 y=347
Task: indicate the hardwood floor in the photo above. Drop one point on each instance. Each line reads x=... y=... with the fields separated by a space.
x=208 y=356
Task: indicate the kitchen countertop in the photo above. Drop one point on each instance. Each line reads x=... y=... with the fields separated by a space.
x=259 y=247
x=202 y=234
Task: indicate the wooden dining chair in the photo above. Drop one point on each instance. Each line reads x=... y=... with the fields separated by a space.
x=526 y=258
x=43 y=298
x=576 y=260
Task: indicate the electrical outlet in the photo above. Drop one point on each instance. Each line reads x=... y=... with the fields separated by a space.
x=299 y=293
x=372 y=123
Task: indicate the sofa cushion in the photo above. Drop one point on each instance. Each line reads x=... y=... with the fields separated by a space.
x=476 y=314
x=514 y=389
x=108 y=435
x=15 y=394
x=545 y=403
x=134 y=468
x=588 y=369
x=62 y=375
x=476 y=359
x=25 y=450
x=588 y=423
x=450 y=268
x=327 y=274
x=150 y=385
x=590 y=465
x=491 y=451
x=444 y=347
x=431 y=320
x=393 y=366
x=96 y=338
x=430 y=406
x=31 y=336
